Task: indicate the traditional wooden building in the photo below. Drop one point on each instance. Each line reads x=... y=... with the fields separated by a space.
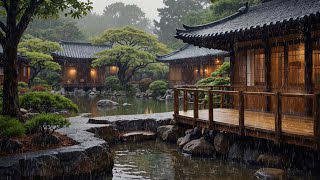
x=23 y=69
x=189 y=64
x=76 y=59
x=274 y=47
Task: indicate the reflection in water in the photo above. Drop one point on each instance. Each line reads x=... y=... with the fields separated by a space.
x=157 y=160
x=87 y=104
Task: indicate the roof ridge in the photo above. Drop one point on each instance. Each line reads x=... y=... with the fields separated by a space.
x=84 y=43
x=174 y=52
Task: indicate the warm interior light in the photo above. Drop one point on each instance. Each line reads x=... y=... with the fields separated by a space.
x=205 y=70
x=72 y=72
x=217 y=61
x=113 y=69
x=93 y=73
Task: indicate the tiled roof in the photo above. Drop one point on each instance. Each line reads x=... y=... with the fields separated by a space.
x=190 y=51
x=79 y=50
x=265 y=14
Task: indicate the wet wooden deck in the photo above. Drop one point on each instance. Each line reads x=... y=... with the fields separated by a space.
x=255 y=120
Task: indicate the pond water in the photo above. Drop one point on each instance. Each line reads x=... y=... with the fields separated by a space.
x=87 y=104
x=159 y=160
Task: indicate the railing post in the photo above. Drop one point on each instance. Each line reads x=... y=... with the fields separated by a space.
x=210 y=101
x=185 y=100
x=241 y=113
x=221 y=100
x=176 y=101
x=316 y=118
x=195 y=107
x=278 y=118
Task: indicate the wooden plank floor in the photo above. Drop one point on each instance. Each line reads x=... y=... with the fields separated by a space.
x=290 y=124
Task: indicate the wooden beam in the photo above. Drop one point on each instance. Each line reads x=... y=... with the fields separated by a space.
x=185 y=100
x=286 y=65
x=210 y=102
x=195 y=107
x=278 y=118
x=308 y=67
x=176 y=101
x=267 y=72
x=241 y=113
x=316 y=119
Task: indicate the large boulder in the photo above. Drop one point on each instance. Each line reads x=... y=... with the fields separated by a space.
x=221 y=143
x=10 y=145
x=272 y=160
x=199 y=147
x=236 y=152
x=108 y=133
x=107 y=103
x=170 y=133
x=194 y=134
x=138 y=136
x=251 y=156
x=270 y=174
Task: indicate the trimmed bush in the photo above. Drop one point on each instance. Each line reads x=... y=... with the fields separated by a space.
x=46 y=123
x=223 y=71
x=144 y=84
x=45 y=102
x=113 y=83
x=159 y=87
x=10 y=127
x=22 y=85
x=39 y=82
x=205 y=81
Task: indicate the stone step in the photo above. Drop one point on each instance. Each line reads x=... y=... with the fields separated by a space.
x=138 y=136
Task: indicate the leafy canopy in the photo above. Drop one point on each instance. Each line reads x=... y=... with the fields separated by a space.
x=133 y=50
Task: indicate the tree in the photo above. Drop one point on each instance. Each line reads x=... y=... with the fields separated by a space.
x=38 y=52
x=17 y=16
x=133 y=50
x=172 y=16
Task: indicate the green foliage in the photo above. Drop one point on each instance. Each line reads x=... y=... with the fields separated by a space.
x=205 y=81
x=159 y=87
x=113 y=83
x=37 y=81
x=222 y=71
x=172 y=16
x=133 y=50
x=144 y=84
x=53 y=78
x=10 y=127
x=47 y=102
x=22 y=85
x=46 y=123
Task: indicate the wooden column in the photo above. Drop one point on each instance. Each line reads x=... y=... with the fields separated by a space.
x=267 y=72
x=316 y=119
x=232 y=68
x=210 y=101
x=278 y=118
x=241 y=113
x=308 y=68
x=286 y=65
x=185 y=100
x=176 y=101
x=196 y=107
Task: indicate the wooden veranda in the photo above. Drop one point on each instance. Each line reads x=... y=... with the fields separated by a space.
x=225 y=110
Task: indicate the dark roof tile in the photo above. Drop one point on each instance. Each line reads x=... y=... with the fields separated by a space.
x=190 y=51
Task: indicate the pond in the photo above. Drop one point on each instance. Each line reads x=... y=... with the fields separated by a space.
x=87 y=104
x=159 y=160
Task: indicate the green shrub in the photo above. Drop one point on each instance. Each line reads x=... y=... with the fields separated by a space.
x=159 y=87
x=47 y=102
x=223 y=71
x=10 y=127
x=113 y=83
x=46 y=123
x=144 y=84
x=39 y=82
x=22 y=85
x=205 y=81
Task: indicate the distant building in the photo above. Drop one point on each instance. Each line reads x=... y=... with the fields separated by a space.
x=190 y=64
x=23 y=68
x=76 y=59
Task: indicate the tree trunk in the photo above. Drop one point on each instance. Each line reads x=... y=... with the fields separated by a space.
x=122 y=77
x=10 y=84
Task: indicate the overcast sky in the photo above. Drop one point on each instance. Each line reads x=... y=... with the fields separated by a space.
x=147 y=6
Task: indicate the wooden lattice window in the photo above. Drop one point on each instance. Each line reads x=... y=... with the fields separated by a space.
x=316 y=63
x=255 y=67
x=277 y=66
x=296 y=58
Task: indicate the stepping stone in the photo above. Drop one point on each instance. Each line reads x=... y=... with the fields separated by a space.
x=138 y=136
x=270 y=174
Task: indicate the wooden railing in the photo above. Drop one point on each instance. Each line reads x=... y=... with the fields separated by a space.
x=210 y=91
